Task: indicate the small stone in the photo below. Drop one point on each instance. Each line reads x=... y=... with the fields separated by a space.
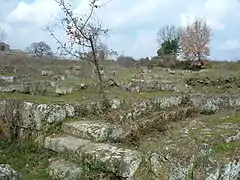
x=233 y=138
x=9 y=79
x=7 y=173
x=60 y=169
x=83 y=86
x=63 y=90
x=46 y=72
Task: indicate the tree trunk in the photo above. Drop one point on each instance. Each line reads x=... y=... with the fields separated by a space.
x=96 y=64
x=200 y=59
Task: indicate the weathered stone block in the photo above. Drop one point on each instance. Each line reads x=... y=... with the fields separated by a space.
x=122 y=162
x=60 y=169
x=96 y=131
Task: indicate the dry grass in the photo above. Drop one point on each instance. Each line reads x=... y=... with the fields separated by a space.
x=33 y=66
x=84 y=96
x=145 y=130
x=26 y=158
x=225 y=65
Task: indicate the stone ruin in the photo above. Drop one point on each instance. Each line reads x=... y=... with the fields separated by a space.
x=7 y=70
x=96 y=138
x=4 y=47
x=73 y=70
x=91 y=138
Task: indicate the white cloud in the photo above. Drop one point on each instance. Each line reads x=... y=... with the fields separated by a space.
x=37 y=13
x=213 y=11
x=203 y=11
x=144 y=45
x=230 y=45
x=133 y=24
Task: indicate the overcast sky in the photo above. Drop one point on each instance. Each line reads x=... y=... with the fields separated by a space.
x=133 y=24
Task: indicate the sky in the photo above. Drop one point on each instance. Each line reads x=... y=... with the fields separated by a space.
x=132 y=25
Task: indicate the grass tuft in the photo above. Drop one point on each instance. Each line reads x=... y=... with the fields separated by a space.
x=27 y=158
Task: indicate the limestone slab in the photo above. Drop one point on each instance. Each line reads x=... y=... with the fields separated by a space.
x=120 y=161
x=96 y=131
x=60 y=169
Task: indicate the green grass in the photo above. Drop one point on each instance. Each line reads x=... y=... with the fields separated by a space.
x=116 y=93
x=7 y=74
x=198 y=133
x=224 y=147
x=27 y=159
x=235 y=119
x=84 y=96
x=123 y=74
x=217 y=73
x=75 y=96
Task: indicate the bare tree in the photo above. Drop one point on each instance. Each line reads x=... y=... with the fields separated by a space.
x=194 y=41
x=84 y=33
x=2 y=35
x=39 y=49
x=167 y=33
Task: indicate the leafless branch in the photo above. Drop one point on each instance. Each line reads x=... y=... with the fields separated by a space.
x=169 y=32
x=195 y=40
x=83 y=32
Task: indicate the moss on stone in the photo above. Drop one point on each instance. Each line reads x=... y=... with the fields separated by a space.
x=84 y=95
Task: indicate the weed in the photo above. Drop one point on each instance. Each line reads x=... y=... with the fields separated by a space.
x=92 y=168
x=11 y=120
x=27 y=158
x=224 y=146
x=207 y=112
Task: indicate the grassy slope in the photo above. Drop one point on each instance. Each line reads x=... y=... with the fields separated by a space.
x=85 y=95
x=32 y=162
x=27 y=159
x=186 y=139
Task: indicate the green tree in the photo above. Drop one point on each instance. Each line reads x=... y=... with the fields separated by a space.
x=169 y=47
x=168 y=41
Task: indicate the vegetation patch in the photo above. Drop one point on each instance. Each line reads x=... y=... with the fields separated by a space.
x=225 y=147
x=84 y=96
x=27 y=158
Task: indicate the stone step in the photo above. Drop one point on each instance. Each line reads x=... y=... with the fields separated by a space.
x=180 y=152
x=95 y=131
x=60 y=169
x=122 y=162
